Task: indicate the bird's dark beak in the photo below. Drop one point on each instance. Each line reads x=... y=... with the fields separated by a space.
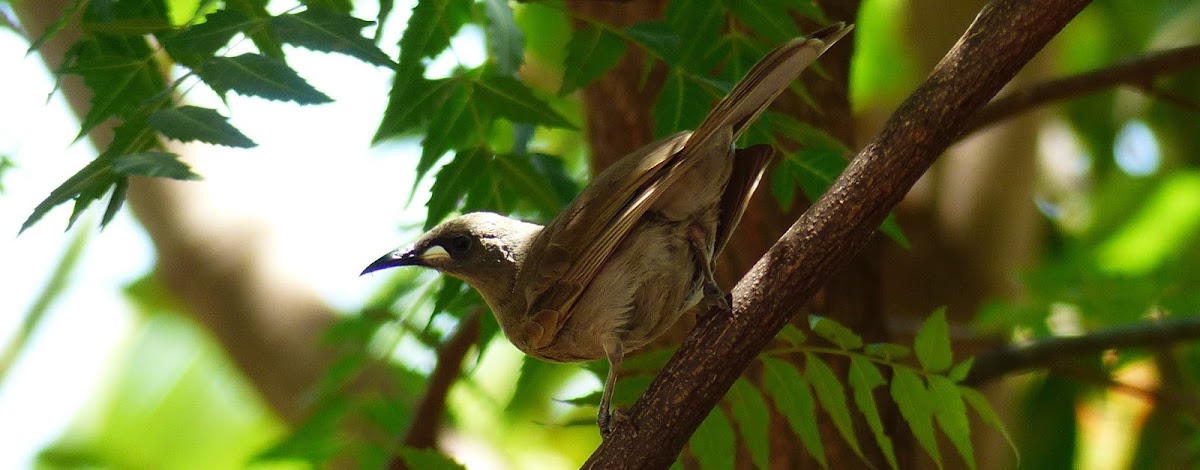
x=402 y=257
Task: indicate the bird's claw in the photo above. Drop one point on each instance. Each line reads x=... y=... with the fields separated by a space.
x=608 y=422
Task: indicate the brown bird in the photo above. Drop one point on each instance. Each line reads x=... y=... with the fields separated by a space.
x=635 y=250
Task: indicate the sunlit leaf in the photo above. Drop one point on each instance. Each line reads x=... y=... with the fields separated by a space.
x=832 y=396
x=432 y=24
x=887 y=351
x=917 y=407
x=590 y=53
x=834 y=332
x=980 y=404
x=932 y=343
x=453 y=182
x=753 y=419
x=261 y=76
x=864 y=379
x=409 y=105
x=263 y=37
x=191 y=123
x=960 y=370
x=792 y=397
x=121 y=74
x=951 y=415
x=199 y=42
x=453 y=125
x=792 y=335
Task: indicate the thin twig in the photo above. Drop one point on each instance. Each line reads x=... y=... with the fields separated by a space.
x=1141 y=70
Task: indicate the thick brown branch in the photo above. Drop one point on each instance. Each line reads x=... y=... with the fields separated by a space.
x=1005 y=35
x=1044 y=352
x=1139 y=71
x=422 y=429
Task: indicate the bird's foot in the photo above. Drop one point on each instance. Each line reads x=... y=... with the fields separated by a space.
x=609 y=422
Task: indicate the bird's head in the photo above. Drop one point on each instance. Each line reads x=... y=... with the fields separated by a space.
x=484 y=249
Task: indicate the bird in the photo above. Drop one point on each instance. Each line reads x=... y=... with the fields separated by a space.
x=635 y=249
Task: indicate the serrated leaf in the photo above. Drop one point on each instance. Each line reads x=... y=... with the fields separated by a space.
x=115 y=201
x=767 y=18
x=95 y=178
x=960 y=370
x=887 y=351
x=191 y=123
x=54 y=28
x=694 y=19
x=409 y=105
x=657 y=38
x=453 y=125
x=452 y=183
x=753 y=419
x=426 y=459
x=916 y=407
x=864 y=378
x=590 y=53
x=984 y=410
x=325 y=30
x=713 y=443
x=262 y=36
x=832 y=396
x=526 y=182
x=261 y=76
x=681 y=104
x=932 y=343
x=508 y=97
x=563 y=185
x=792 y=335
x=121 y=74
x=432 y=24
x=154 y=164
x=951 y=416
x=506 y=43
x=792 y=397
x=199 y=42
x=340 y=6
x=834 y=332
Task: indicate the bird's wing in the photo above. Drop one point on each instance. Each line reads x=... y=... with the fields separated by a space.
x=748 y=167
x=582 y=239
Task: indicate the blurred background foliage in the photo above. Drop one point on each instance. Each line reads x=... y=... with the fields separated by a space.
x=1116 y=194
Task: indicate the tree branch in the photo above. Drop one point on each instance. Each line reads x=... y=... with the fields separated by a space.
x=1043 y=352
x=832 y=231
x=1139 y=71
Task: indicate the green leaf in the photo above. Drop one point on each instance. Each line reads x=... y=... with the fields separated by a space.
x=753 y=419
x=932 y=343
x=115 y=201
x=453 y=182
x=916 y=407
x=190 y=123
x=324 y=30
x=261 y=76
x=94 y=179
x=887 y=351
x=508 y=97
x=768 y=18
x=681 y=104
x=792 y=397
x=155 y=164
x=694 y=19
x=121 y=74
x=340 y=6
x=409 y=105
x=834 y=332
x=590 y=53
x=864 y=378
x=563 y=185
x=197 y=43
x=432 y=24
x=456 y=124
x=657 y=38
x=960 y=370
x=263 y=37
x=527 y=182
x=6 y=164
x=951 y=415
x=980 y=404
x=792 y=335
x=426 y=459
x=57 y=26
x=713 y=444
x=832 y=396
x=506 y=43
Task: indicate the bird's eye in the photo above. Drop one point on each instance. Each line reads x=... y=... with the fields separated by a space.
x=460 y=244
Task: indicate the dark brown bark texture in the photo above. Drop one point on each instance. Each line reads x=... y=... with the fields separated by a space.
x=1003 y=38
